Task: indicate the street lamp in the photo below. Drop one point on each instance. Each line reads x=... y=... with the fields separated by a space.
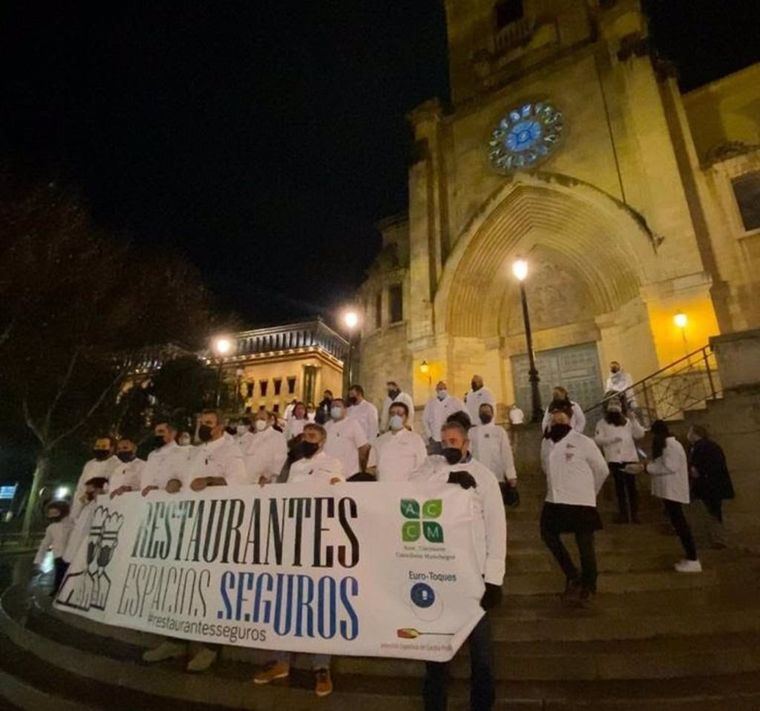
x=351 y=322
x=425 y=370
x=520 y=271
x=681 y=320
x=221 y=346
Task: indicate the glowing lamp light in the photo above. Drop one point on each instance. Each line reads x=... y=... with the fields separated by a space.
x=222 y=346
x=520 y=269
x=424 y=367
x=351 y=319
x=62 y=492
x=680 y=319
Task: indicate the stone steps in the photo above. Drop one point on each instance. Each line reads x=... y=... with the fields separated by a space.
x=228 y=686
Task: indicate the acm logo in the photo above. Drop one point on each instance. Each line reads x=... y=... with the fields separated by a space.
x=421 y=520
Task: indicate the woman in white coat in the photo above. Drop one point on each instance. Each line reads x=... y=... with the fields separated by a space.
x=669 y=470
x=616 y=435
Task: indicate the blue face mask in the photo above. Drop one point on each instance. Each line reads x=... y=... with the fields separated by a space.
x=396 y=422
x=442 y=394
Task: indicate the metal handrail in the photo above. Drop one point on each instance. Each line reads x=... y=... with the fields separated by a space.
x=705 y=352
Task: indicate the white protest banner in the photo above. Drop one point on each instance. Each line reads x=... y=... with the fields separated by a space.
x=354 y=569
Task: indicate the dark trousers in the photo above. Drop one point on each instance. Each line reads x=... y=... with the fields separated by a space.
x=481 y=676
x=674 y=511
x=61 y=566
x=714 y=508
x=585 y=542
x=625 y=488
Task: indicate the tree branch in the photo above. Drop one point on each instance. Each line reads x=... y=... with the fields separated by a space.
x=30 y=423
x=64 y=383
x=89 y=413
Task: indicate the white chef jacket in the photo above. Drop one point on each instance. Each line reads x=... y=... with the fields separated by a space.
x=166 y=463
x=577 y=421
x=295 y=427
x=516 y=416
x=575 y=470
x=623 y=451
x=401 y=397
x=365 y=413
x=397 y=454
x=621 y=382
x=220 y=458
x=490 y=446
x=265 y=455
x=489 y=521
x=435 y=413
x=92 y=469
x=670 y=473
x=474 y=399
x=127 y=474
x=320 y=468
x=344 y=437
x=55 y=539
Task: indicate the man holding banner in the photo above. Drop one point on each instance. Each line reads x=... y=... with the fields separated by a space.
x=457 y=466
x=315 y=466
x=218 y=461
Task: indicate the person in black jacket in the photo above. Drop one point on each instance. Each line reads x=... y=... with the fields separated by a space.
x=711 y=481
x=323 y=409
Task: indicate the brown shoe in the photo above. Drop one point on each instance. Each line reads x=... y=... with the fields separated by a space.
x=324 y=685
x=271 y=672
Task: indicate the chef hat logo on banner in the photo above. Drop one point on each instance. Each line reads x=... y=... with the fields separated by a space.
x=419 y=522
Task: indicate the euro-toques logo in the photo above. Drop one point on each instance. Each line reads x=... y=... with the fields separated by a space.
x=421 y=520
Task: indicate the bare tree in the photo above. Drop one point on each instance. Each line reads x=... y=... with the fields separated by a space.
x=72 y=299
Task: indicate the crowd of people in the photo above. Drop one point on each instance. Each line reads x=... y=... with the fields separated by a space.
x=347 y=439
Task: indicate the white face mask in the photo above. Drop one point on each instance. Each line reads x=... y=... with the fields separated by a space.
x=442 y=394
x=242 y=429
x=336 y=413
x=261 y=425
x=396 y=422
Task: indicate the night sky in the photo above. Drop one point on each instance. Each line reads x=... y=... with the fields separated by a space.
x=263 y=140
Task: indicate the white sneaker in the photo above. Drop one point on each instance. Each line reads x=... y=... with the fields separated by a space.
x=165 y=650
x=688 y=566
x=202 y=660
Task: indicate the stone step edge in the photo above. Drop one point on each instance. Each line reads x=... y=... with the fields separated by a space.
x=26 y=696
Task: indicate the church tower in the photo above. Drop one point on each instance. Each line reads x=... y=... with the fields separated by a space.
x=567 y=143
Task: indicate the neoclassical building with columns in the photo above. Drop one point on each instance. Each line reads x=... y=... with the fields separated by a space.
x=568 y=144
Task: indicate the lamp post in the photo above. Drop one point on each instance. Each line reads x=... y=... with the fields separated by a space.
x=221 y=346
x=520 y=271
x=351 y=322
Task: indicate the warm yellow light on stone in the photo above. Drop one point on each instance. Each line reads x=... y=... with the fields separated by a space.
x=680 y=319
x=424 y=367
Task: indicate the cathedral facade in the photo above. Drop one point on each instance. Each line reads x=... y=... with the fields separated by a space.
x=567 y=144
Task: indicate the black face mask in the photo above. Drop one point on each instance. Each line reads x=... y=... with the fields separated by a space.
x=452 y=455
x=485 y=419
x=157 y=442
x=474 y=385
x=309 y=449
x=101 y=454
x=204 y=433
x=557 y=432
x=125 y=456
x=393 y=394
x=230 y=430
x=352 y=400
